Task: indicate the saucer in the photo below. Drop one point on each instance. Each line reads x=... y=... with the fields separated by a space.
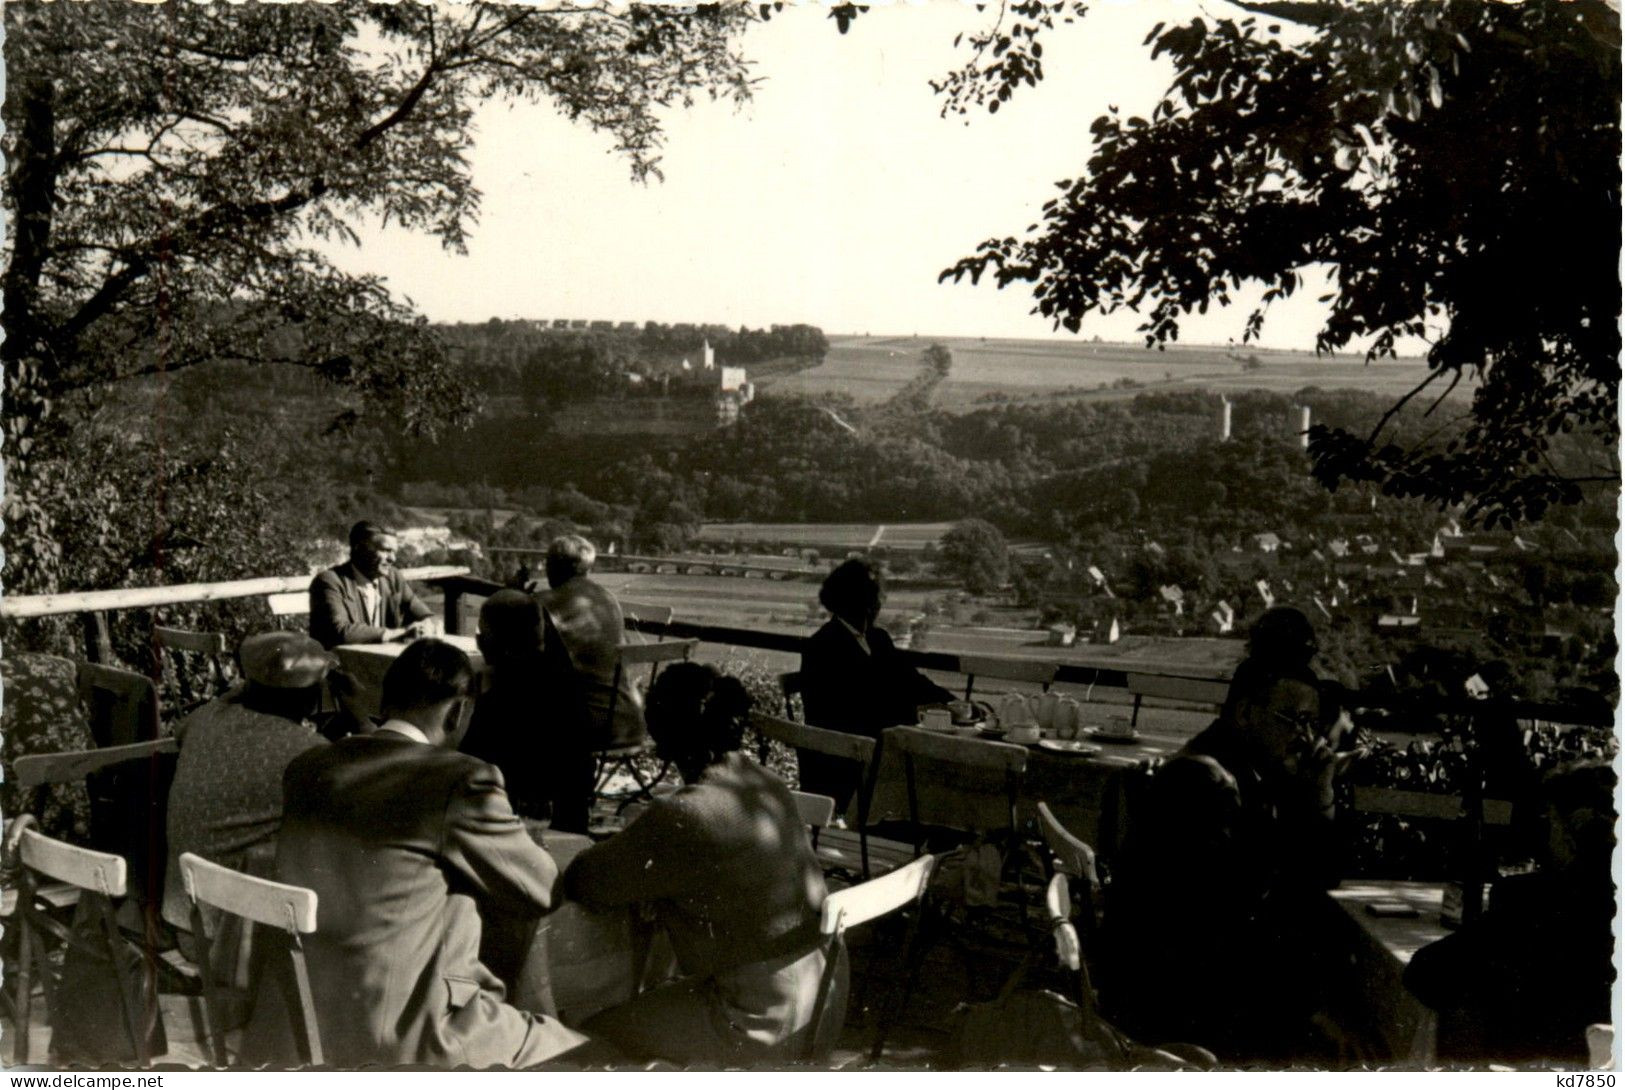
x=1121 y=739
x=1068 y=745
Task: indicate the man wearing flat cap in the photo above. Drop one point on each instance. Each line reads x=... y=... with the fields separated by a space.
x=226 y=802
x=365 y=600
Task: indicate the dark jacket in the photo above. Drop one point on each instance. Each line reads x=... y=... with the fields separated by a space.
x=582 y=650
x=531 y=733
x=1209 y=915
x=405 y=845
x=337 y=614
x=1522 y=982
x=844 y=689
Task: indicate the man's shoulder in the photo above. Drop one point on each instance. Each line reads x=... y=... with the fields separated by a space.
x=334 y=576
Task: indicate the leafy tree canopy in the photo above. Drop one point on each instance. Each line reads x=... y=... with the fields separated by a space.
x=172 y=168
x=975 y=552
x=1452 y=165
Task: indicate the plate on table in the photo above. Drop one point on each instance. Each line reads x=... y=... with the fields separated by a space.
x=1068 y=745
x=1119 y=739
x=995 y=734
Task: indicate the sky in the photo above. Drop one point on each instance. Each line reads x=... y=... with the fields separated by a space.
x=834 y=197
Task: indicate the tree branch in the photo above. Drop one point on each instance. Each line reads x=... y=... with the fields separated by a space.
x=1400 y=404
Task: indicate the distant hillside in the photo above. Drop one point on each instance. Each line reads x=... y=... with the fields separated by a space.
x=872 y=369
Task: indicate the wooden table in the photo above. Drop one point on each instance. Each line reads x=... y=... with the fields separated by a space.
x=1382 y=947
x=1074 y=785
x=366 y=663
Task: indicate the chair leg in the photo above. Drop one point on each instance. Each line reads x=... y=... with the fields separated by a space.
x=132 y=1017
x=24 y=1004
x=914 y=957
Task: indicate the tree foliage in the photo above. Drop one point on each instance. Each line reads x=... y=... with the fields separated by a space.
x=173 y=168
x=974 y=552
x=1453 y=165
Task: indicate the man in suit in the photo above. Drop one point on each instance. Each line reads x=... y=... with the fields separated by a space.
x=407 y=842
x=582 y=649
x=365 y=600
x=853 y=677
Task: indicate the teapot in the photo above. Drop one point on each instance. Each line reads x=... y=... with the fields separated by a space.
x=1015 y=710
x=1047 y=709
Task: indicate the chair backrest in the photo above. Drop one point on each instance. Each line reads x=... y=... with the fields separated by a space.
x=637 y=654
x=969 y=752
x=1005 y=669
x=179 y=639
x=97 y=872
x=877 y=897
x=1072 y=856
x=646 y=612
x=123 y=705
x=834 y=743
x=260 y=900
x=73 y=766
x=816 y=810
x=292 y=604
x=792 y=686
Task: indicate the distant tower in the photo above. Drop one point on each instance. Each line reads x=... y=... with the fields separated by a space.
x=709 y=356
x=1303 y=426
x=1224 y=419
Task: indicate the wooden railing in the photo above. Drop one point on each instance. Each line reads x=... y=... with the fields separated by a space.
x=1066 y=673
x=93 y=606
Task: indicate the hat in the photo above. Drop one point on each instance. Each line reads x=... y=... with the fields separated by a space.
x=284 y=660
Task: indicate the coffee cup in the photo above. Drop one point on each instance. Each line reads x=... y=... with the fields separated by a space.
x=936 y=719
x=1118 y=726
x=962 y=711
x=1024 y=735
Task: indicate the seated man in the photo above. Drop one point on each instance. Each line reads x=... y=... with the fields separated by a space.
x=518 y=725
x=1522 y=982
x=584 y=627
x=1207 y=918
x=406 y=842
x=853 y=678
x=365 y=600
x=226 y=801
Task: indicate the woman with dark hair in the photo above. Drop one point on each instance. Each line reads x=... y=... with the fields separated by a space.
x=1281 y=641
x=726 y=864
x=853 y=678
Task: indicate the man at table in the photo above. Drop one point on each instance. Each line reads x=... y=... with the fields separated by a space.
x=853 y=678
x=580 y=658
x=365 y=600
x=403 y=839
x=1522 y=982
x=1233 y=844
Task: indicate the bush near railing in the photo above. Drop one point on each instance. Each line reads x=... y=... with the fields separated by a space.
x=1512 y=758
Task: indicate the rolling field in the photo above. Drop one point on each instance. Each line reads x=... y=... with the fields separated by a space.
x=871 y=369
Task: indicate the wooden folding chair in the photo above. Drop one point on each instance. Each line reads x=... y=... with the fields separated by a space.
x=618 y=758
x=635 y=613
x=123 y=705
x=853 y=907
x=1002 y=669
x=210 y=644
x=995 y=759
x=288 y=910
x=99 y=878
x=1073 y=858
x=290 y=608
x=853 y=851
x=1068 y=946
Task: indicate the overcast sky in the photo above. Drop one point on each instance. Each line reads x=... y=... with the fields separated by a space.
x=835 y=197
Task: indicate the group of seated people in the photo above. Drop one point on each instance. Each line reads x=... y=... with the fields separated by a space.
x=430 y=884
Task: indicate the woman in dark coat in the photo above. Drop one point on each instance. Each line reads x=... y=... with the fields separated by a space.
x=853 y=677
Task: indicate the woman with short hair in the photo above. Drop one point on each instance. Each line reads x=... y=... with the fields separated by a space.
x=727 y=866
